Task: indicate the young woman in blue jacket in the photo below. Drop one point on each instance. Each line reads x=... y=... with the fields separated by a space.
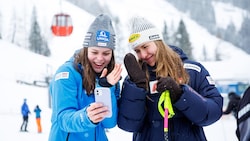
x=194 y=99
x=75 y=114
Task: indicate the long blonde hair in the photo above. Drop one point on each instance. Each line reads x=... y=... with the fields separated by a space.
x=169 y=63
x=88 y=74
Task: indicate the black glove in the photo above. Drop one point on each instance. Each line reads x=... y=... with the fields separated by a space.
x=167 y=83
x=136 y=74
x=104 y=82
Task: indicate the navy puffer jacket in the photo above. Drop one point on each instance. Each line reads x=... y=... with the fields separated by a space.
x=200 y=105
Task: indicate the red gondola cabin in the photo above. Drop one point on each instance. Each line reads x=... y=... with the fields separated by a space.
x=62 y=25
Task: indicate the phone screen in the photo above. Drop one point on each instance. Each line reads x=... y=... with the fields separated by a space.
x=103 y=95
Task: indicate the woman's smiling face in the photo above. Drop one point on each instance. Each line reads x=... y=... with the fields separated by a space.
x=146 y=52
x=99 y=58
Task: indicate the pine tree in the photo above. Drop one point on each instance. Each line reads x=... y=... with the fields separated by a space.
x=216 y=51
x=13 y=26
x=244 y=34
x=45 y=48
x=181 y=39
x=120 y=49
x=230 y=33
x=1 y=25
x=165 y=33
x=17 y=29
x=37 y=43
x=204 y=52
x=217 y=54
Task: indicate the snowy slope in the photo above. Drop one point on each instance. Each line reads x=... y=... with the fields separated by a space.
x=227 y=13
x=16 y=61
x=158 y=11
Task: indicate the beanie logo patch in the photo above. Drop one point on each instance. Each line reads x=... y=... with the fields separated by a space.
x=154 y=37
x=134 y=37
x=102 y=36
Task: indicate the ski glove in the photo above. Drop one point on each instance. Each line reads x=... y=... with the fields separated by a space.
x=167 y=83
x=104 y=82
x=135 y=72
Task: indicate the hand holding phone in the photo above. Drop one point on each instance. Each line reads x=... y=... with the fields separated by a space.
x=103 y=95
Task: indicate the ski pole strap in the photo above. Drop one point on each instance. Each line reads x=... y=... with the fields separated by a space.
x=165 y=99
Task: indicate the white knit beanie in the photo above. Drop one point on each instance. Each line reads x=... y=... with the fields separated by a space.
x=100 y=33
x=142 y=31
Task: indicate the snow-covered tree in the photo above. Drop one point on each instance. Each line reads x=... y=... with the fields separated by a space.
x=37 y=43
x=244 y=34
x=217 y=54
x=12 y=27
x=181 y=39
x=165 y=33
x=121 y=41
x=17 y=29
x=1 y=25
x=230 y=33
x=45 y=48
x=204 y=53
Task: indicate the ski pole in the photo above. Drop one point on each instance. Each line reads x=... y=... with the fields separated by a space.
x=166 y=125
x=168 y=111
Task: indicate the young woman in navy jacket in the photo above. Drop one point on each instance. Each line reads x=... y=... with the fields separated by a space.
x=195 y=100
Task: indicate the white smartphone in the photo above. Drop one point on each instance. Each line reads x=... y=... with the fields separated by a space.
x=103 y=95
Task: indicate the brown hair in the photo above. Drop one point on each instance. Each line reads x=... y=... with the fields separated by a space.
x=88 y=74
x=169 y=63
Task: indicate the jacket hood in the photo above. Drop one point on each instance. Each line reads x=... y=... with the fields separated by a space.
x=180 y=52
x=72 y=59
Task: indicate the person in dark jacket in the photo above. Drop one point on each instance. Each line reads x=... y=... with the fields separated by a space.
x=38 y=111
x=243 y=117
x=25 y=113
x=233 y=103
x=195 y=100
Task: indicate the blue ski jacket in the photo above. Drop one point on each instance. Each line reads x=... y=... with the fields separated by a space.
x=25 y=109
x=69 y=102
x=200 y=105
x=38 y=112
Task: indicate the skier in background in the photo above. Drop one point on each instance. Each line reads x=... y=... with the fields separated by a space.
x=37 y=110
x=25 y=113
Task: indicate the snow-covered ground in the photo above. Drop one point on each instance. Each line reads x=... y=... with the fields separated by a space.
x=12 y=97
